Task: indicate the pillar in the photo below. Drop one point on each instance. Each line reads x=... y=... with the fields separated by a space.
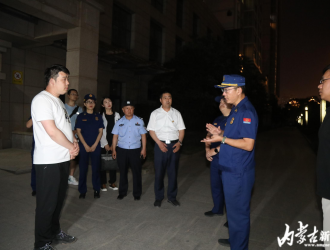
x=82 y=50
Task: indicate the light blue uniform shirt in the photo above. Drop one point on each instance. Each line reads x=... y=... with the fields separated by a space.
x=129 y=132
x=73 y=118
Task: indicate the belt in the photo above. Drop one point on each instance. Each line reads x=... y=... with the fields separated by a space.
x=169 y=142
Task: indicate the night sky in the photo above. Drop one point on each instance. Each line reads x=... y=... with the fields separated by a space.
x=304 y=46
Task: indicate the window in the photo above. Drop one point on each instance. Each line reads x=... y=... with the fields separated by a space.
x=156 y=40
x=158 y=4
x=178 y=45
x=195 y=26
x=121 y=28
x=179 y=13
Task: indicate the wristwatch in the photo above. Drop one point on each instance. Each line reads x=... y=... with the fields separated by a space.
x=180 y=143
x=223 y=140
x=216 y=150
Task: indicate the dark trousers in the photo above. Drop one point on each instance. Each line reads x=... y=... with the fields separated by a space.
x=112 y=173
x=237 y=189
x=166 y=161
x=52 y=184
x=129 y=158
x=33 y=176
x=83 y=168
x=216 y=186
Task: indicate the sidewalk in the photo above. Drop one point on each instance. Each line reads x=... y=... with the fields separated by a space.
x=284 y=193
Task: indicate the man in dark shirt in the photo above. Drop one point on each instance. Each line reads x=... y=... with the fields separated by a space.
x=323 y=156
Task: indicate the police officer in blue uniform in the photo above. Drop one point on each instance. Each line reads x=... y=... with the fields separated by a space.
x=212 y=154
x=129 y=132
x=236 y=160
x=89 y=126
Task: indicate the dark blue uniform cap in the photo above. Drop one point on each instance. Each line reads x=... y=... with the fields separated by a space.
x=231 y=81
x=218 y=98
x=89 y=96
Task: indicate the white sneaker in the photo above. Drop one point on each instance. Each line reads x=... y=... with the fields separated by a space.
x=113 y=187
x=72 y=180
x=104 y=187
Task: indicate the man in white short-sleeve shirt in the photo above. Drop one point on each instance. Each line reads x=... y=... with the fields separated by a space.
x=54 y=147
x=166 y=127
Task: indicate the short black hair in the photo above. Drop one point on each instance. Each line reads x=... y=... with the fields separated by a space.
x=243 y=89
x=69 y=91
x=52 y=72
x=326 y=69
x=164 y=91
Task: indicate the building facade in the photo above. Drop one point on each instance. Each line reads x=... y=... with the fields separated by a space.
x=112 y=48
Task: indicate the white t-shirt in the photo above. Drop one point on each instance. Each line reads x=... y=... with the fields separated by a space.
x=45 y=107
x=166 y=124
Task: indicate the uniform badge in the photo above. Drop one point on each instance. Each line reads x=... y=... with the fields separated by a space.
x=215 y=124
x=90 y=95
x=96 y=118
x=84 y=120
x=120 y=125
x=232 y=120
x=235 y=110
x=172 y=121
x=137 y=124
x=247 y=120
x=225 y=124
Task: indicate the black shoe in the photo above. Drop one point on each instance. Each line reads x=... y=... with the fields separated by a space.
x=157 y=203
x=224 y=242
x=211 y=214
x=45 y=247
x=96 y=194
x=65 y=238
x=82 y=196
x=174 y=203
x=120 y=197
x=137 y=198
x=226 y=224
x=34 y=193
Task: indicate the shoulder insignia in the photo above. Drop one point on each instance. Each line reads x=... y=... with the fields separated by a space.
x=232 y=120
x=137 y=124
x=215 y=123
x=84 y=120
x=247 y=120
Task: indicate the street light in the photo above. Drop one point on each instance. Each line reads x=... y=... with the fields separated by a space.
x=306 y=115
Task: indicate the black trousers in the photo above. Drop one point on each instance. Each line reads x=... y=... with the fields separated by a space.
x=169 y=162
x=52 y=185
x=112 y=173
x=129 y=158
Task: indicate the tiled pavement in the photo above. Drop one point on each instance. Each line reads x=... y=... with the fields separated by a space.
x=284 y=193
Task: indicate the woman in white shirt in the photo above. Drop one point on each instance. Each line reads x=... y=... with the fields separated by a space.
x=109 y=120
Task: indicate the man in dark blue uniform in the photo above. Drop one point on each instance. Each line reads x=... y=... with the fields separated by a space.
x=212 y=155
x=128 y=132
x=236 y=160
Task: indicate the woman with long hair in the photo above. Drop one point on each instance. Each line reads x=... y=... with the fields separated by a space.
x=109 y=119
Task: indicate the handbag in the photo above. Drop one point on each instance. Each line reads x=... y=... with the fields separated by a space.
x=108 y=163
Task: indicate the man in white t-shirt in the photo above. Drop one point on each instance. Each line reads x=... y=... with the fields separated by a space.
x=73 y=111
x=167 y=129
x=55 y=145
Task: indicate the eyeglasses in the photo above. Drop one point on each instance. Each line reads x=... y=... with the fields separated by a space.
x=90 y=102
x=226 y=90
x=74 y=94
x=322 y=80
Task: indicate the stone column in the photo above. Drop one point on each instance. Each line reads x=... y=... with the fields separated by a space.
x=3 y=48
x=82 y=50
